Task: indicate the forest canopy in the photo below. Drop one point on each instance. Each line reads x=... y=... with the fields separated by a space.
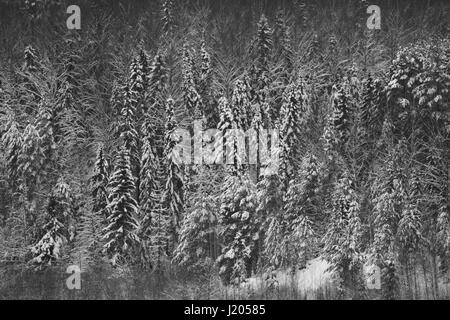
x=89 y=173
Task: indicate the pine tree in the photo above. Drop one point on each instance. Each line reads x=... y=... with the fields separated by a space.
x=270 y=204
x=156 y=82
x=11 y=140
x=174 y=186
x=47 y=124
x=205 y=79
x=389 y=279
x=239 y=229
x=139 y=81
x=88 y=249
x=205 y=67
x=99 y=184
x=372 y=108
x=410 y=224
x=338 y=125
x=342 y=241
x=155 y=113
x=331 y=60
x=127 y=127
x=240 y=105
x=56 y=230
x=167 y=17
x=149 y=178
x=286 y=53
x=120 y=233
x=388 y=194
x=262 y=45
x=31 y=59
x=226 y=142
x=31 y=160
x=198 y=234
x=294 y=114
x=191 y=98
x=259 y=72
x=292 y=232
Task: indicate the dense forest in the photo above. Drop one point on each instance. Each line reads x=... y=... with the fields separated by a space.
x=90 y=170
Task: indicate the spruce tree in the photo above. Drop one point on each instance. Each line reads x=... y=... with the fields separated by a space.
x=31 y=59
x=149 y=175
x=31 y=160
x=55 y=231
x=294 y=115
x=198 y=234
x=174 y=185
x=167 y=17
x=120 y=233
x=127 y=127
x=259 y=72
x=239 y=229
x=342 y=241
x=11 y=141
x=286 y=54
x=138 y=81
x=191 y=98
x=99 y=184
x=292 y=232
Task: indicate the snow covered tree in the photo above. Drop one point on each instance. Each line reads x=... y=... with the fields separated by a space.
x=59 y=210
x=31 y=159
x=291 y=234
x=31 y=59
x=191 y=98
x=372 y=104
x=339 y=122
x=149 y=175
x=127 y=127
x=285 y=52
x=294 y=114
x=240 y=105
x=120 y=233
x=11 y=141
x=270 y=203
x=174 y=185
x=99 y=184
x=259 y=71
x=93 y=214
x=47 y=125
x=262 y=45
x=138 y=81
x=342 y=241
x=239 y=229
x=204 y=86
x=238 y=222
x=167 y=17
x=205 y=67
x=410 y=224
x=198 y=234
x=155 y=225
x=388 y=194
x=226 y=141
x=156 y=82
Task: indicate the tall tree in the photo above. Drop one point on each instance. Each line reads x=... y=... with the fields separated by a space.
x=120 y=233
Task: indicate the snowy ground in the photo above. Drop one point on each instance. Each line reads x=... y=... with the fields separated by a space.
x=303 y=284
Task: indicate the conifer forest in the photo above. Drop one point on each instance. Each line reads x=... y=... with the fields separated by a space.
x=212 y=149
